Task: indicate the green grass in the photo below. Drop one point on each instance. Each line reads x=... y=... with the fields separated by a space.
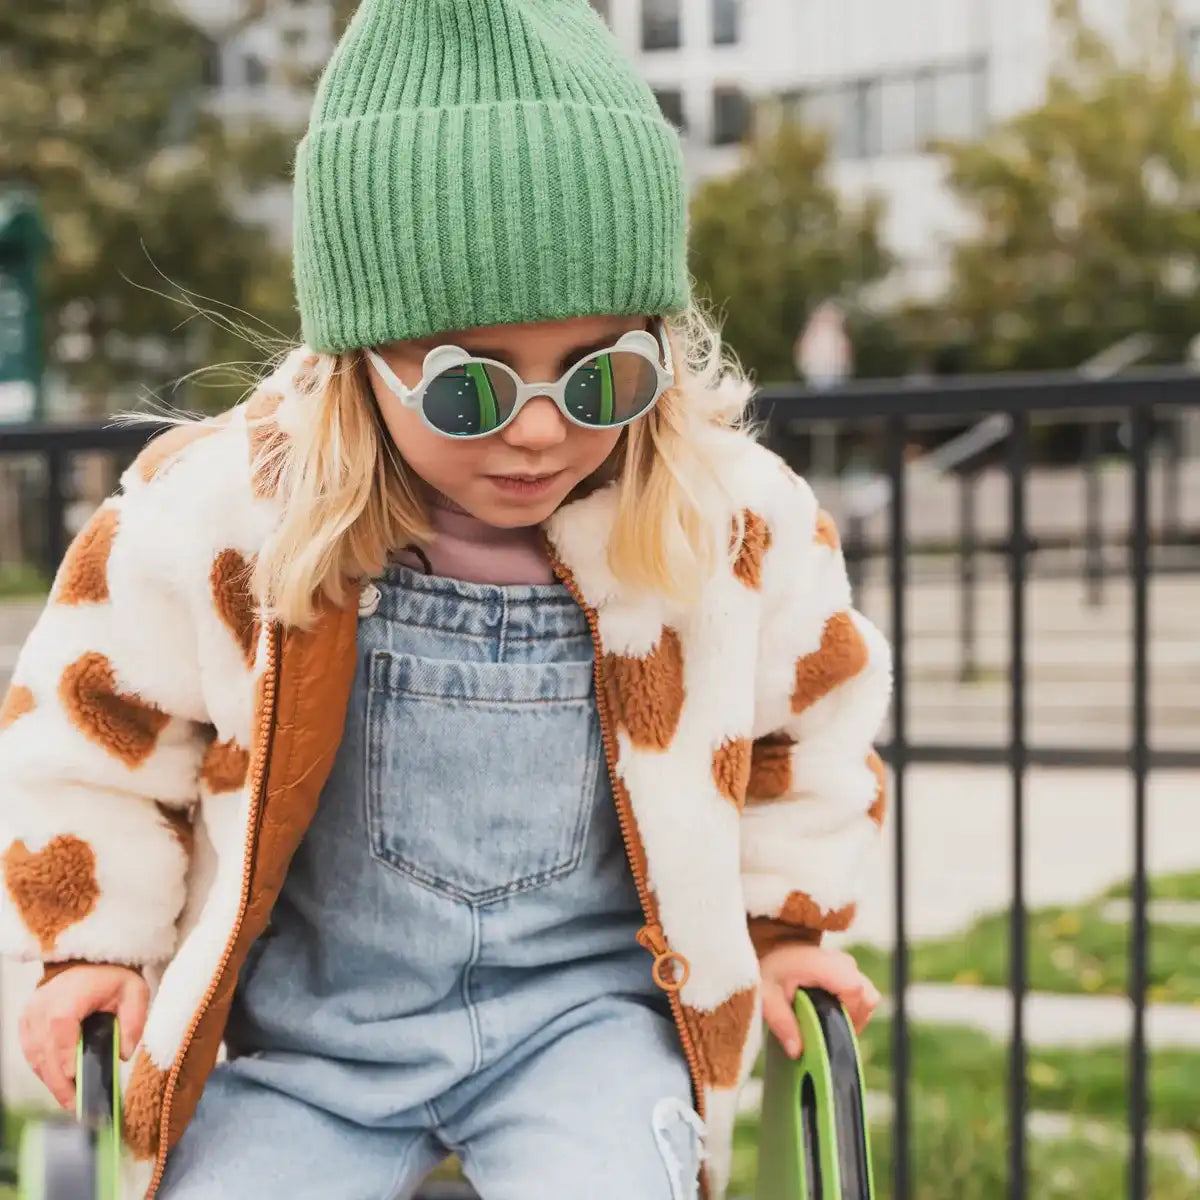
x=1090 y=1083
x=959 y=1148
x=22 y=581
x=959 y=1151
x=1071 y=950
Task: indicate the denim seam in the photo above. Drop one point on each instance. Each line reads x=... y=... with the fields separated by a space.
x=472 y=1014
x=571 y=633
x=401 y=1167
x=476 y=900
x=479 y=702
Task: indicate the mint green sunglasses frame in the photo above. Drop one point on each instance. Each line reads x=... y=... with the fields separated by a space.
x=656 y=350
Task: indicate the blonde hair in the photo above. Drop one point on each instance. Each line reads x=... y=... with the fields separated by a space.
x=351 y=499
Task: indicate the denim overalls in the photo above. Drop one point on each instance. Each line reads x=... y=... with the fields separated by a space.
x=452 y=965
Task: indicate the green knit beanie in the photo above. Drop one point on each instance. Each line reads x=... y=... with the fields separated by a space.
x=483 y=162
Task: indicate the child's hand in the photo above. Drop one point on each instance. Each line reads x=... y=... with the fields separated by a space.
x=51 y=1020
x=786 y=968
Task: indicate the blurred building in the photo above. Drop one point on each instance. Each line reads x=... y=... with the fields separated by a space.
x=265 y=68
x=884 y=77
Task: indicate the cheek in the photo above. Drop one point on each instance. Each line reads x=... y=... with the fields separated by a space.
x=593 y=449
x=435 y=459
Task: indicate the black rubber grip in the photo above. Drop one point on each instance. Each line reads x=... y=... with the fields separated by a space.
x=95 y=1082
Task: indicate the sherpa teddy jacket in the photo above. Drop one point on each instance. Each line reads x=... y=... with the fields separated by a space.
x=163 y=750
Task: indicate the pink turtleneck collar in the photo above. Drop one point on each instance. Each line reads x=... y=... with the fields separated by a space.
x=464 y=547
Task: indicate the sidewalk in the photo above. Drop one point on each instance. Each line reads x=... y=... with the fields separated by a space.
x=1051 y=1019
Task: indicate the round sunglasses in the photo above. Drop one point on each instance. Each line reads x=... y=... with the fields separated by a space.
x=461 y=396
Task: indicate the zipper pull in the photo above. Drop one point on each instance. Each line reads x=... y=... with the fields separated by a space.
x=664 y=973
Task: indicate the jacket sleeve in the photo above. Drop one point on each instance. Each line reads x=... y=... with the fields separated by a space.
x=816 y=795
x=101 y=736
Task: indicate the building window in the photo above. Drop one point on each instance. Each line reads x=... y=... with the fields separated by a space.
x=731 y=116
x=900 y=122
x=661 y=25
x=897 y=113
x=957 y=105
x=1191 y=50
x=670 y=101
x=210 y=66
x=255 y=70
x=725 y=21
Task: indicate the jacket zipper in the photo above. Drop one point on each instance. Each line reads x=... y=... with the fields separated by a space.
x=258 y=777
x=651 y=936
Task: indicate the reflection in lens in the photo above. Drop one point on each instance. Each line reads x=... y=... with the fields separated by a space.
x=469 y=400
x=611 y=388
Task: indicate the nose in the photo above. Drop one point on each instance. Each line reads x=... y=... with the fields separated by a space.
x=538 y=426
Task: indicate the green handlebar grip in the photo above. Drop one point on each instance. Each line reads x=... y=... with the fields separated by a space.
x=813 y=1136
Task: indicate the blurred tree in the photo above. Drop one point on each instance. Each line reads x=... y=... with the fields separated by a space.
x=104 y=118
x=773 y=239
x=1086 y=210
x=343 y=10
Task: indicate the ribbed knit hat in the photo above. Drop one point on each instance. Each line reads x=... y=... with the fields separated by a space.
x=483 y=162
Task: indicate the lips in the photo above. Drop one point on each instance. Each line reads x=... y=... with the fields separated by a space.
x=525 y=484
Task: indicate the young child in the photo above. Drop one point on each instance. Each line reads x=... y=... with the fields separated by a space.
x=471 y=731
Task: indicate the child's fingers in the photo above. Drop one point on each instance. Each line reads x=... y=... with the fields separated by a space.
x=862 y=1004
x=131 y=1014
x=55 y=1065
x=781 y=1019
x=832 y=970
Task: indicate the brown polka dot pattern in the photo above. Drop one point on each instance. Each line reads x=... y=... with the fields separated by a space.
x=645 y=695
x=801 y=909
x=52 y=888
x=767 y=933
x=18 y=701
x=225 y=766
x=83 y=576
x=756 y=541
x=123 y=724
x=827 y=531
x=879 y=804
x=163 y=451
x=143 y=1107
x=179 y=823
x=230 y=581
x=770 y=768
x=266 y=441
x=719 y=1036
x=731 y=770
x=841 y=655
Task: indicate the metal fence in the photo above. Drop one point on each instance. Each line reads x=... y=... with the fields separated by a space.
x=1139 y=399
x=882 y=418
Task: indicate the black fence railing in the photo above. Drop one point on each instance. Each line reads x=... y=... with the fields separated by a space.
x=1139 y=400
x=881 y=419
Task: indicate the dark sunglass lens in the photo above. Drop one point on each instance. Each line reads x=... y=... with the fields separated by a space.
x=469 y=400
x=611 y=389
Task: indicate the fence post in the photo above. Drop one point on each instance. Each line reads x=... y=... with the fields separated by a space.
x=1093 y=545
x=967 y=592
x=1172 y=497
x=855 y=551
x=55 y=545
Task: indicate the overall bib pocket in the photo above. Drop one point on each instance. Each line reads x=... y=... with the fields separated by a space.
x=480 y=775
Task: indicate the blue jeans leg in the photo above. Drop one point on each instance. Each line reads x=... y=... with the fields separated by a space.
x=248 y=1142
x=602 y=1110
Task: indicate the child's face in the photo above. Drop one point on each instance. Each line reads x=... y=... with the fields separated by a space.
x=521 y=473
